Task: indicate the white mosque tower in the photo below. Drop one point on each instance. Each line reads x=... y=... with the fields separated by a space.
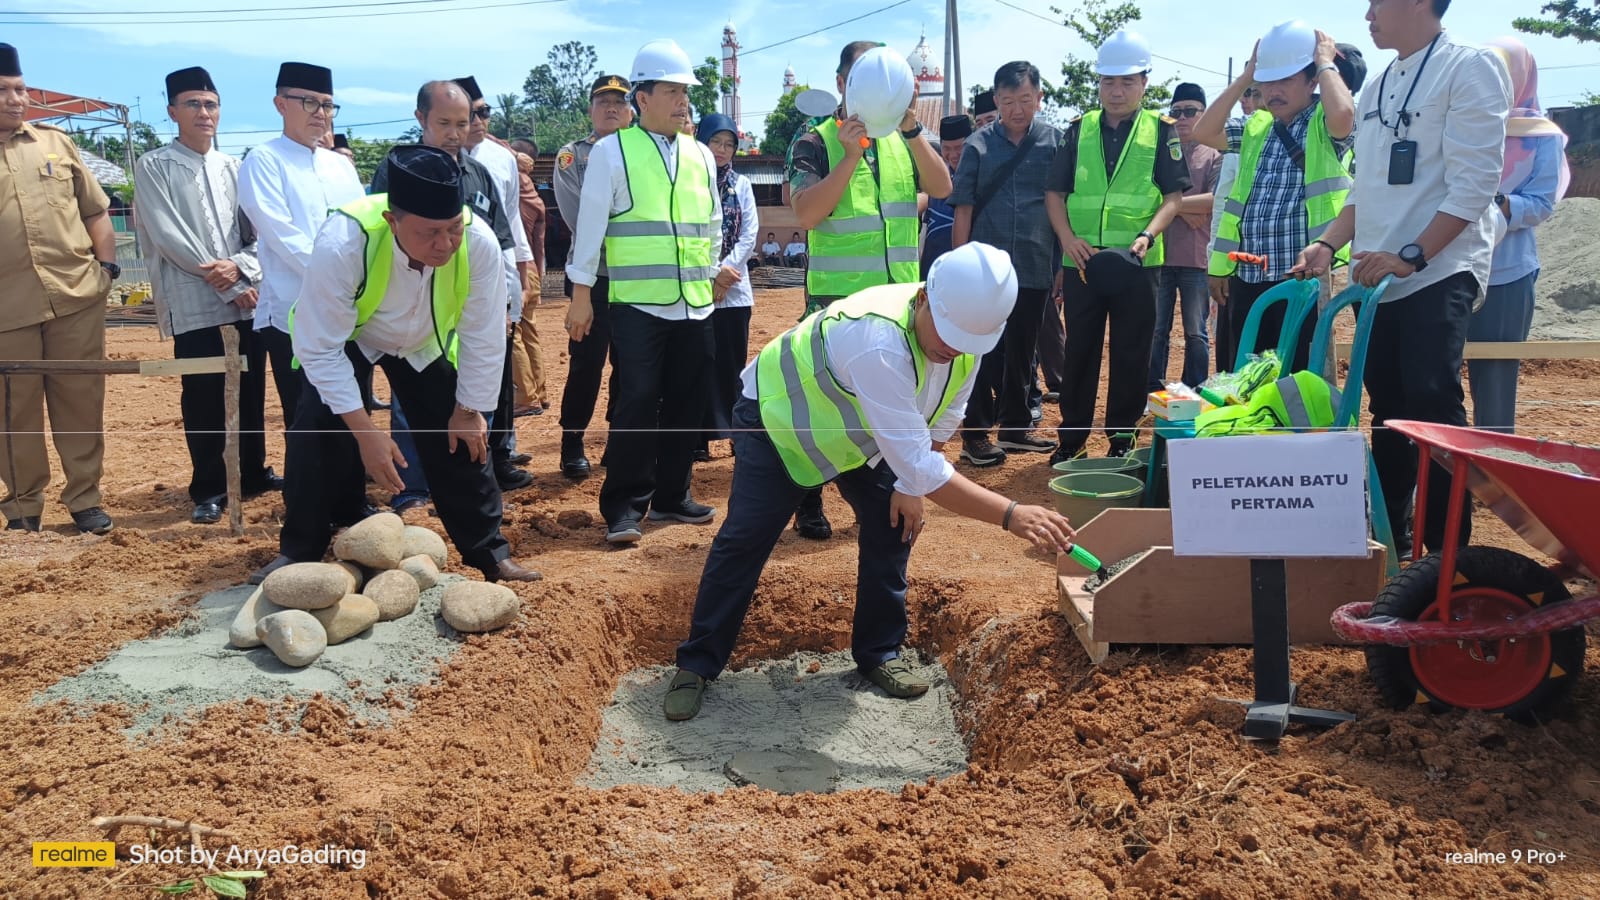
x=930 y=80
x=790 y=84
x=730 y=71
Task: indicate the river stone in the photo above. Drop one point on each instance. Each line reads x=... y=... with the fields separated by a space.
x=349 y=617
x=306 y=585
x=476 y=606
x=358 y=576
x=242 y=633
x=421 y=541
x=376 y=542
x=422 y=568
x=394 y=593
x=294 y=636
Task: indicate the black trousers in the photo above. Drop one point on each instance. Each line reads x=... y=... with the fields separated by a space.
x=1006 y=374
x=289 y=381
x=1052 y=345
x=1242 y=296
x=730 y=331
x=1133 y=323
x=1414 y=372
x=501 y=428
x=205 y=418
x=325 y=481
x=586 y=363
x=658 y=411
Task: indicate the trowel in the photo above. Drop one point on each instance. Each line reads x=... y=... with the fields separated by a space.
x=1089 y=561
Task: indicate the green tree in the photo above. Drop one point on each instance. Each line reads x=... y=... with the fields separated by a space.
x=783 y=123
x=513 y=118
x=368 y=153
x=713 y=86
x=1094 y=21
x=113 y=145
x=558 y=129
x=562 y=81
x=1567 y=19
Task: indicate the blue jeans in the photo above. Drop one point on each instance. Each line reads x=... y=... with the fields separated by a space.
x=1506 y=315
x=759 y=506
x=416 y=483
x=1188 y=285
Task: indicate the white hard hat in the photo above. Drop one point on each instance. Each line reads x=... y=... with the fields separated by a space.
x=1289 y=47
x=971 y=291
x=879 y=90
x=1124 y=53
x=663 y=60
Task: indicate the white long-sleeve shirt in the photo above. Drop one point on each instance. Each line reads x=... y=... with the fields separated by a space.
x=744 y=245
x=605 y=194
x=286 y=190
x=1458 y=121
x=870 y=358
x=502 y=166
x=402 y=326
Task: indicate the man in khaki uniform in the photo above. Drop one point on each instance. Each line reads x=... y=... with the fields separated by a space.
x=57 y=262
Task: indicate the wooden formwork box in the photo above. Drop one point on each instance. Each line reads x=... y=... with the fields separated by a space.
x=1165 y=599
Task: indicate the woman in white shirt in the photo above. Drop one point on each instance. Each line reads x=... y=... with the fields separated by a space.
x=730 y=321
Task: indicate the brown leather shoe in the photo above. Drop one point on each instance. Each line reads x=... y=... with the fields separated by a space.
x=511 y=570
x=261 y=574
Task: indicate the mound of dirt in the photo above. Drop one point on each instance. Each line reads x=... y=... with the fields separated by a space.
x=1568 y=290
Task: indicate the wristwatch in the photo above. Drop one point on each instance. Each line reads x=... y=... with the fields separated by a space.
x=1325 y=67
x=112 y=269
x=1411 y=255
x=913 y=133
x=462 y=407
x=1147 y=236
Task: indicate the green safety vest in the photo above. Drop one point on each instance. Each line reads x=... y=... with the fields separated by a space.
x=450 y=281
x=1112 y=212
x=659 y=250
x=1327 y=184
x=816 y=425
x=870 y=238
x=1304 y=401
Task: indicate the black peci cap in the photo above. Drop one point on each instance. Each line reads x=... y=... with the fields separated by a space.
x=424 y=181
x=1113 y=272
x=10 y=64
x=193 y=78
x=955 y=128
x=983 y=103
x=306 y=77
x=470 y=85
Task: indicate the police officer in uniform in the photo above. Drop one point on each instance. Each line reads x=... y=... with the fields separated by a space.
x=609 y=113
x=411 y=281
x=1117 y=182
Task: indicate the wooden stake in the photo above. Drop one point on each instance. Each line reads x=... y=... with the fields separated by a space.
x=162 y=822
x=206 y=366
x=230 y=450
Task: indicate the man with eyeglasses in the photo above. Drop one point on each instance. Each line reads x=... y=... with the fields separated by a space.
x=445 y=114
x=1182 y=277
x=286 y=187
x=204 y=273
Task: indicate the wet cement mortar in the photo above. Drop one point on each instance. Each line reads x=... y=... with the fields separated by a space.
x=1528 y=459
x=1126 y=780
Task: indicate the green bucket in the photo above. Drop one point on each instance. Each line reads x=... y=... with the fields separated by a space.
x=1080 y=496
x=1121 y=465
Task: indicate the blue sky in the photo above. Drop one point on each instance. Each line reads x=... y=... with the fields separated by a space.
x=379 y=58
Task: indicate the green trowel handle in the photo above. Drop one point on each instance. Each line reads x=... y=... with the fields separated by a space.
x=1084 y=558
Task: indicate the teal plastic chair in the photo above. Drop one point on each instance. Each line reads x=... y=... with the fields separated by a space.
x=1301 y=296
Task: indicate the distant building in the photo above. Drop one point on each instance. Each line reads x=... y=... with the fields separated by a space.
x=730 y=71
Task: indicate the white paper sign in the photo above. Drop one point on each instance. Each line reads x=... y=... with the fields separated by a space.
x=1270 y=496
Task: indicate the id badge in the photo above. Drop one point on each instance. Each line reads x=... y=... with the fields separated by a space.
x=1402 y=162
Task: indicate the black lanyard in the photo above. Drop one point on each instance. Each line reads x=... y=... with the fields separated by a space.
x=1404 y=116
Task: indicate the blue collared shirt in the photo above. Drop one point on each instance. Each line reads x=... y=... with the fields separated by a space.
x=1531 y=201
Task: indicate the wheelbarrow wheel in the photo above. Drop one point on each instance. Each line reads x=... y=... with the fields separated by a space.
x=1516 y=677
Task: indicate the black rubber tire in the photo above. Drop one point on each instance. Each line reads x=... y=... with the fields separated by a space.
x=1413 y=591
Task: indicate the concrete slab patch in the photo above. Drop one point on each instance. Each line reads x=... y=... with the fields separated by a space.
x=190 y=667
x=780 y=725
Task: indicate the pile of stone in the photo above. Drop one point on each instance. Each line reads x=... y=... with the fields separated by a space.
x=383 y=565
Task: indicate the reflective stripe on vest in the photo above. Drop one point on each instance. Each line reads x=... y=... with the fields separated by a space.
x=870 y=238
x=1302 y=402
x=659 y=251
x=1327 y=184
x=1112 y=212
x=450 y=281
x=816 y=425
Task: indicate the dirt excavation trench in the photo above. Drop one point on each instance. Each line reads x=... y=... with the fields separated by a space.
x=476 y=776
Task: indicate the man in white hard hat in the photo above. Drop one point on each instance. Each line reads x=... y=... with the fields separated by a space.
x=1116 y=184
x=864 y=394
x=1294 y=173
x=854 y=182
x=650 y=197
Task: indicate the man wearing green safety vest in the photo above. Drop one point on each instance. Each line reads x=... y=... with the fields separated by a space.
x=650 y=198
x=863 y=394
x=859 y=200
x=1294 y=174
x=1117 y=182
x=409 y=282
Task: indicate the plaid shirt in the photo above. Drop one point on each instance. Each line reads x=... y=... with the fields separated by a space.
x=1274 y=221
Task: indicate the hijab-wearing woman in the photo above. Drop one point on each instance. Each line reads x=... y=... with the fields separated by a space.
x=1534 y=180
x=730 y=320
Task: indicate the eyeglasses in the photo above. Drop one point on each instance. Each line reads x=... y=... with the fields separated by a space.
x=482 y=112
x=210 y=106
x=1185 y=112
x=312 y=104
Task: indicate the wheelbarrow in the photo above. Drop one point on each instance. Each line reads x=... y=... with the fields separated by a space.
x=1483 y=627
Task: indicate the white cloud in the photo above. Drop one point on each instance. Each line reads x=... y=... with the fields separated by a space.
x=369 y=96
